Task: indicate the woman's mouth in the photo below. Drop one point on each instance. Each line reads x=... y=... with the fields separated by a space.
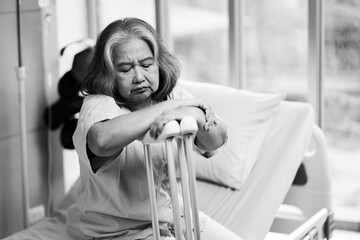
x=140 y=90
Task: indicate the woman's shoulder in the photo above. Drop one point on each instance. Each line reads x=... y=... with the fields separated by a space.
x=98 y=99
x=101 y=105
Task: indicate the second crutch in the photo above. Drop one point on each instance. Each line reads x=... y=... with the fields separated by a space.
x=182 y=133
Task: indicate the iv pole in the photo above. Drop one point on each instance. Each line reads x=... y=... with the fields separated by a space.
x=21 y=75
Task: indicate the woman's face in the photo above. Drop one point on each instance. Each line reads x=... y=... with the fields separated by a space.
x=137 y=73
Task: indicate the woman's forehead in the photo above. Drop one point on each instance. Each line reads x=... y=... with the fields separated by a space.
x=134 y=49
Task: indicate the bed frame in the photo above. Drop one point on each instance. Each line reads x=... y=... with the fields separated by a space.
x=307 y=210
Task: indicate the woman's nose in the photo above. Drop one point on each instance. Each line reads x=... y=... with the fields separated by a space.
x=139 y=76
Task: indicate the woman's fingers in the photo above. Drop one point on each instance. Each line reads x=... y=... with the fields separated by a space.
x=201 y=104
x=157 y=126
x=210 y=116
x=159 y=123
x=177 y=114
x=211 y=120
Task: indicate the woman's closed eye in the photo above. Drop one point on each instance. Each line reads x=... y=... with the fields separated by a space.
x=125 y=69
x=146 y=63
x=146 y=66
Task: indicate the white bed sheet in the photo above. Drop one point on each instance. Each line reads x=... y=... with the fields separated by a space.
x=248 y=212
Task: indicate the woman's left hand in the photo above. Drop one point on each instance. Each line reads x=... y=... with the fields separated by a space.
x=205 y=120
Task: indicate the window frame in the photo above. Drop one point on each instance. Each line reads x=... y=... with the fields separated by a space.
x=316 y=58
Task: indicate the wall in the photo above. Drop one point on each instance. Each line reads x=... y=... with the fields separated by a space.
x=11 y=198
x=44 y=31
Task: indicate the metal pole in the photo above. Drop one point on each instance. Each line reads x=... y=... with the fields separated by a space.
x=185 y=188
x=183 y=133
x=174 y=188
x=93 y=18
x=188 y=141
x=236 y=43
x=315 y=55
x=21 y=75
x=162 y=22
x=152 y=192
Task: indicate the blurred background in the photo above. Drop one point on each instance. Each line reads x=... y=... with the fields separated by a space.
x=265 y=46
x=275 y=38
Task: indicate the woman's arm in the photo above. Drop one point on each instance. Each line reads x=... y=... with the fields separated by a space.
x=211 y=136
x=212 y=131
x=107 y=138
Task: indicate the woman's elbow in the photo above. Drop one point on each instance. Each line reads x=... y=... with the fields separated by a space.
x=97 y=142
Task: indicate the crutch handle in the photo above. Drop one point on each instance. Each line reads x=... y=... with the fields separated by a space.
x=188 y=125
x=171 y=129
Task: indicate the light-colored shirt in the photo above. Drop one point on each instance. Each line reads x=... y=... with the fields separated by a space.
x=115 y=200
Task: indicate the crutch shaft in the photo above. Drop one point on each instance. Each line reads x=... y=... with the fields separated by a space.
x=188 y=139
x=173 y=188
x=185 y=189
x=152 y=193
x=188 y=128
x=184 y=132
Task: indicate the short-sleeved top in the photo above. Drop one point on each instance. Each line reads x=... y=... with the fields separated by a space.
x=115 y=200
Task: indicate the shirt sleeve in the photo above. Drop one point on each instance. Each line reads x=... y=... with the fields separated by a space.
x=95 y=108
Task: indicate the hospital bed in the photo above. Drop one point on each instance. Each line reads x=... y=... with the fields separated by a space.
x=270 y=181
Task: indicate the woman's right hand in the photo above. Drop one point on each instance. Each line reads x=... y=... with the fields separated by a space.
x=196 y=108
x=199 y=103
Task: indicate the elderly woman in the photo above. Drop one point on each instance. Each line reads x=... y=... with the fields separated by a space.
x=130 y=88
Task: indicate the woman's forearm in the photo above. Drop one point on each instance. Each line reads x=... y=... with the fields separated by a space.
x=208 y=139
x=211 y=139
x=109 y=137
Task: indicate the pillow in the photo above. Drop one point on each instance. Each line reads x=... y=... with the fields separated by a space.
x=248 y=116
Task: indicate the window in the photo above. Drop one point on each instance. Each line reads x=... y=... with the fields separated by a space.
x=199 y=30
x=342 y=101
x=276 y=47
x=111 y=10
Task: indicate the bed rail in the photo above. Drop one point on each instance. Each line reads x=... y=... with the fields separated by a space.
x=319 y=226
x=313 y=218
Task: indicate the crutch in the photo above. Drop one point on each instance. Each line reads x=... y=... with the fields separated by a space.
x=183 y=133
